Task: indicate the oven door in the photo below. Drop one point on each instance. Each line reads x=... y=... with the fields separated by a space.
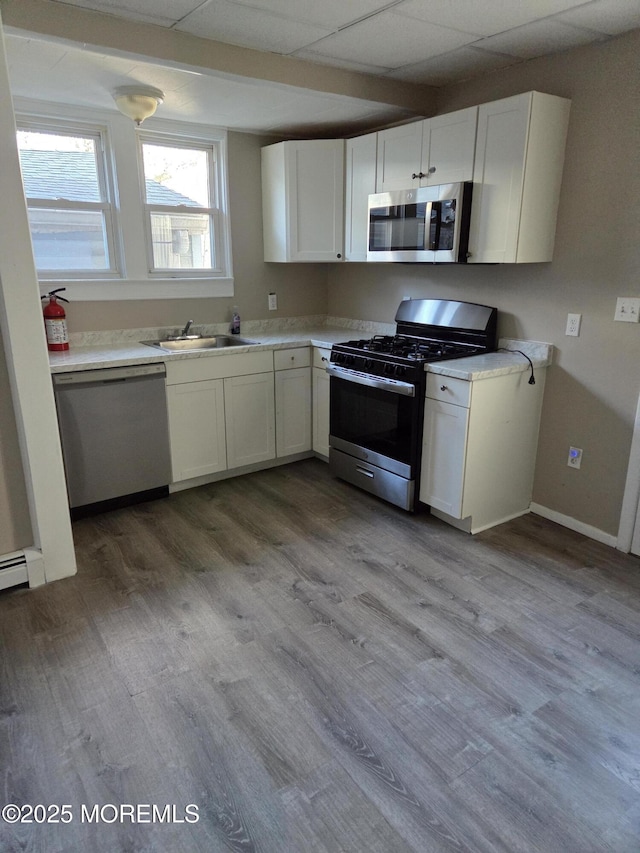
x=375 y=434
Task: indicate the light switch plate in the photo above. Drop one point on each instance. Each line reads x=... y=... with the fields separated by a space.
x=627 y=309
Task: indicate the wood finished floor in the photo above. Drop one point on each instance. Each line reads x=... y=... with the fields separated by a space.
x=318 y=671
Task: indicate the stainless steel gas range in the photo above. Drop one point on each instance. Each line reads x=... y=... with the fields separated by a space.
x=377 y=392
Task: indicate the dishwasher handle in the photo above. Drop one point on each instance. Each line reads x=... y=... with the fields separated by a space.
x=108 y=374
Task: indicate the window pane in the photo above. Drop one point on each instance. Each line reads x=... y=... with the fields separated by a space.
x=176 y=175
x=181 y=241
x=59 y=166
x=69 y=239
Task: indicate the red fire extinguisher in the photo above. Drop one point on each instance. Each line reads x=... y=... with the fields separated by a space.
x=55 y=321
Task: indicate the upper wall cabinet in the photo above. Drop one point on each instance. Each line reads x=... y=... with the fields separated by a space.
x=438 y=150
x=360 y=183
x=517 y=177
x=303 y=200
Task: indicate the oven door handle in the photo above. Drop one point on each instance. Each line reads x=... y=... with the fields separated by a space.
x=406 y=389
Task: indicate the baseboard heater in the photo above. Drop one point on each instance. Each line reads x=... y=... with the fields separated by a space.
x=13 y=569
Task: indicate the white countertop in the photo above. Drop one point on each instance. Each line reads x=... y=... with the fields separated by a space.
x=114 y=353
x=496 y=363
x=119 y=354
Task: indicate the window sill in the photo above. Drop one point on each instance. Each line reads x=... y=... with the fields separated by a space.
x=161 y=288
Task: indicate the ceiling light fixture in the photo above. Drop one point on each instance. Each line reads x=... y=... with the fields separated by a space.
x=138 y=102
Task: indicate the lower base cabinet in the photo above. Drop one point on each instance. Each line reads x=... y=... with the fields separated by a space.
x=221 y=413
x=197 y=429
x=250 y=419
x=293 y=400
x=479 y=448
x=320 y=406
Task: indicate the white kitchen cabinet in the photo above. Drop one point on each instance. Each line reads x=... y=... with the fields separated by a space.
x=517 y=177
x=303 y=200
x=320 y=407
x=196 y=429
x=360 y=182
x=221 y=413
x=250 y=419
x=293 y=400
x=439 y=150
x=479 y=448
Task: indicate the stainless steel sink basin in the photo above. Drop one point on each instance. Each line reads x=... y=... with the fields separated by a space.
x=191 y=343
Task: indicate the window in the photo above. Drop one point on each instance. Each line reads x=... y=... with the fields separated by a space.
x=70 y=213
x=122 y=213
x=181 y=191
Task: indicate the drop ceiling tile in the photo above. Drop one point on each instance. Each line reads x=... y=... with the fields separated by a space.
x=538 y=39
x=331 y=14
x=483 y=18
x=460 y=64
x=164 y=13
x=390 y=40
x=312 y=56
x=605 y=16
x=242 y=25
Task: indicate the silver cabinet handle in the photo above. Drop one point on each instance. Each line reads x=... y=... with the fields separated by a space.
x=444 y=387
x=432 y=170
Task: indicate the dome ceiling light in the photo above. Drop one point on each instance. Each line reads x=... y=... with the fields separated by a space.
x=138 y=102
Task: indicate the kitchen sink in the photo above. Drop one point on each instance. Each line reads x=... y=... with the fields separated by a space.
x=192 y=343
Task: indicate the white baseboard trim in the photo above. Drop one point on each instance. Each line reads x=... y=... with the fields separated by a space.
x=574 y=524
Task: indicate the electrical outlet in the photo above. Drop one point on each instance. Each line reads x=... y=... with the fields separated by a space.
x=627 y=309
x=573 y=325
x=575 y=457
x=273 y=302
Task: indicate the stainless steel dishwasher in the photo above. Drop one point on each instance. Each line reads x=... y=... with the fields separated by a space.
x=115 y=435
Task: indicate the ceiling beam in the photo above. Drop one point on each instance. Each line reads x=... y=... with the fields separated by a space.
x=110 y=34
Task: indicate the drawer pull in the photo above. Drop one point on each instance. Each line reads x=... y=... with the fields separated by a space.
x=366 y=473
x=444 y=387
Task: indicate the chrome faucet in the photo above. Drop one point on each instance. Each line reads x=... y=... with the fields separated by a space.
x=185 y=331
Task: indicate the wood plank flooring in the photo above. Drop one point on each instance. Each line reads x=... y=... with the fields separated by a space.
x=319 y=672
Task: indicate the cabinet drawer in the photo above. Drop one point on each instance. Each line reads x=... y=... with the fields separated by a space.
x=218 y=366
x=449 y=390
x=285 y=359
x=321 y=357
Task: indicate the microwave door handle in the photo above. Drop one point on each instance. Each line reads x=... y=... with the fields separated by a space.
x=427 y=224
x=434 y=244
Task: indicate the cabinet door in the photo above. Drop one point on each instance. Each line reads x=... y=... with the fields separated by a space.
x=444 y=451
x=448 y=147
x=321 y=411
x=360 y=182
x=498 y=179
x=250 y=419
x=303 y=200
x=196 y=429
x=399 y=157
x=293 y=411
x=517 y=177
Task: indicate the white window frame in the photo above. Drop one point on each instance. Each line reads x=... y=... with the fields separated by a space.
x=214 y=212
x=135 y=281
x=107 y=193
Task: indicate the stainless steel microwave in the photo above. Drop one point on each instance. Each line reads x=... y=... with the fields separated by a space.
x=424 y=225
